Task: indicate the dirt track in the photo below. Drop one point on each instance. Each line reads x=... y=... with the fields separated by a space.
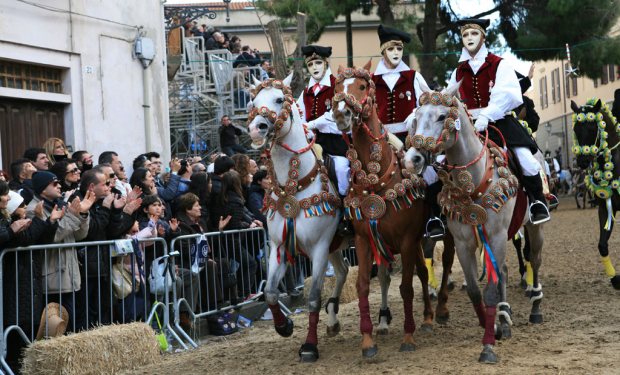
x=581 y=333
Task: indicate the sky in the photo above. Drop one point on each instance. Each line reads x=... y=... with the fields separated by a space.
x=463 y=8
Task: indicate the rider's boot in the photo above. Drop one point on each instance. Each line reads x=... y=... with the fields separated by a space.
x=435 y=227
x=539 y=213
x=345 y=226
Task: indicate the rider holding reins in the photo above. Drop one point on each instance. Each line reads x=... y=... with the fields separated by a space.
x=490 y=90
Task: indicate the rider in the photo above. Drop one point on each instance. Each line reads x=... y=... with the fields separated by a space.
x=397 y=93
x=315 y=105
x=490 y=90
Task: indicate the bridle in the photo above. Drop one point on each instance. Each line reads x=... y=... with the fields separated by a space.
x=451 y=126
x=276 y=119
x=361 y=108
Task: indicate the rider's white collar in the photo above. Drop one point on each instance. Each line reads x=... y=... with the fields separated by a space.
x=383 y=69
x=476 y=61
x=325 y=81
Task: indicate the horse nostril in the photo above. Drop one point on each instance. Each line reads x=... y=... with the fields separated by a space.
x=418 y=159
x=263 y=126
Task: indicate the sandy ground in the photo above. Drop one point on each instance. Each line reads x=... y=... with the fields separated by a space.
x=581 y=333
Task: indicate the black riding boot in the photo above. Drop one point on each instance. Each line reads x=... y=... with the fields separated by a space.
x=435 y=227
x=539 y=213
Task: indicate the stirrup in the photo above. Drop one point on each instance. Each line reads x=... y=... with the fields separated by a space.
x=435 y=236
x=542 y=220
x=553 y=201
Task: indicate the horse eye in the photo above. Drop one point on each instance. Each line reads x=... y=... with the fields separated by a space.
x=362 y=87
x=441 y=118
x=279 y=101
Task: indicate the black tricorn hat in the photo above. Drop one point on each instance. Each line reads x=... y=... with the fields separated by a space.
x=524 y=82
x=387 y=34
x=478 y=23
x=313 y=52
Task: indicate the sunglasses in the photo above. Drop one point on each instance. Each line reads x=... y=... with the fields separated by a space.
x=74 y=170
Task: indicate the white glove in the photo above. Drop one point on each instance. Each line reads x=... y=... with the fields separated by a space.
x=481 y=124
x=311 y=125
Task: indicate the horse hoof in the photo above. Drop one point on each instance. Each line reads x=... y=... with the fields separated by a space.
x=498 y=333
x=450 y=285
x=333 y=330
x=523 y=284
x=615 y=282
x=286 y=330
x=426 y=327
x=536 y=318
x=442 y=319
x=370 y=352
x=383 y=331
x=308 y=353
x=487 y=355
x=407 y=347
x=506 y=332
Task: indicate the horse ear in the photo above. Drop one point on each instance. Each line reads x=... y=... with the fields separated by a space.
x=597 y=106
x=574 y=106
x=340 y=69
x=289 y=78
x=453 y=89
x=424 y=86
x=368 y=65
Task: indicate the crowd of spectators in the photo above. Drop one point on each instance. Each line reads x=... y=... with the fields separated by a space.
x=52 y=196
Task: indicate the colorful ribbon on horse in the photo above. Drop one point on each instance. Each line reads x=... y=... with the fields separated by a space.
x=289 y=240
x=379 y=248
x=486 y=255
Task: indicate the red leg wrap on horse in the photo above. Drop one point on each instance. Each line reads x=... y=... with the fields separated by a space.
x=409 y=322
x=489 y=329
x=312 y=328
x=278 y=317
x=480 y=313
x=365 y=322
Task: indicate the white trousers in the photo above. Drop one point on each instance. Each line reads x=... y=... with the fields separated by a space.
x=343 y=172
x=529 y=164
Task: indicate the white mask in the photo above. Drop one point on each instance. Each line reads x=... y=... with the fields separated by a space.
x=472 y=40
x=393 y=56
x=316 y=69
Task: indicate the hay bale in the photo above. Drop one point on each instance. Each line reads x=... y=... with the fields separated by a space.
x=103 y=350
x=349 y=291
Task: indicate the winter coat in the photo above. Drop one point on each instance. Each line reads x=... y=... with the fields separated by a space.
x=255 y=202
x=62 y=274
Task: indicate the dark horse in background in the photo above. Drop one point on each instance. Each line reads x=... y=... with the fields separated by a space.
x=596 y=146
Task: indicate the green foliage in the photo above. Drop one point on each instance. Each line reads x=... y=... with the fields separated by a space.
x=538 y=30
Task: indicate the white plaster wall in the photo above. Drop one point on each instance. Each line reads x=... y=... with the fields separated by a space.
x=103 y=81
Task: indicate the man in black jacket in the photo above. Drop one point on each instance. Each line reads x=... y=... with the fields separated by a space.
x=228 y=138
x=111 y=216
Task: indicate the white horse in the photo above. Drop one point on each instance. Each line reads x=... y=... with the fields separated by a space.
x=303 y=208
x=478 y=199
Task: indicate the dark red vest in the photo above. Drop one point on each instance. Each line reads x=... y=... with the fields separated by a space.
x=318 y=104
x=396 y=105
x=475 y=88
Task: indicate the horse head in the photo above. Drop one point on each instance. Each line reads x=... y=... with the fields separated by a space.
x=592 y=125
x=271 y=110
x=434 y=127
x=354 y=96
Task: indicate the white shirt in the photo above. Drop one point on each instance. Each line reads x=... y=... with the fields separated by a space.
x=506 y=92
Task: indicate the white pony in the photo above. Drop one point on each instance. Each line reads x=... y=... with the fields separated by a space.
x=302 y=207
x=478 y=200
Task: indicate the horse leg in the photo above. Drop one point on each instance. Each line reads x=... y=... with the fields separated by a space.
x=418 y=260
x=505 y=312
x=408 y=255
x=535 y=239
x=428 y=246
x=309 y=351
x=517 y=242
x=447 y=258
x=493 y=296
x=364 y=258
x=283 y=325
x=385 y=315
x=603 y=245
x=341 y=270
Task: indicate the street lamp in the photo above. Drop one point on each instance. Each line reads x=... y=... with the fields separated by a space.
x=227 y=2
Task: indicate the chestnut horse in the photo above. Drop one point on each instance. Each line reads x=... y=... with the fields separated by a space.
x=384 y=203
x=596 y=138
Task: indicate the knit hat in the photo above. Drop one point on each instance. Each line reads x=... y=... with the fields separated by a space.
x=41 y=179
x=15 y=201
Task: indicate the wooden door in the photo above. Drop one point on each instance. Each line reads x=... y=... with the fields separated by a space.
x=27 y=123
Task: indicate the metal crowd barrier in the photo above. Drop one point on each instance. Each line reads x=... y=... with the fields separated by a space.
x=232 y=276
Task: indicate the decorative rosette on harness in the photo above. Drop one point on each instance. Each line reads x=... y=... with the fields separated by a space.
x=451 y=124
